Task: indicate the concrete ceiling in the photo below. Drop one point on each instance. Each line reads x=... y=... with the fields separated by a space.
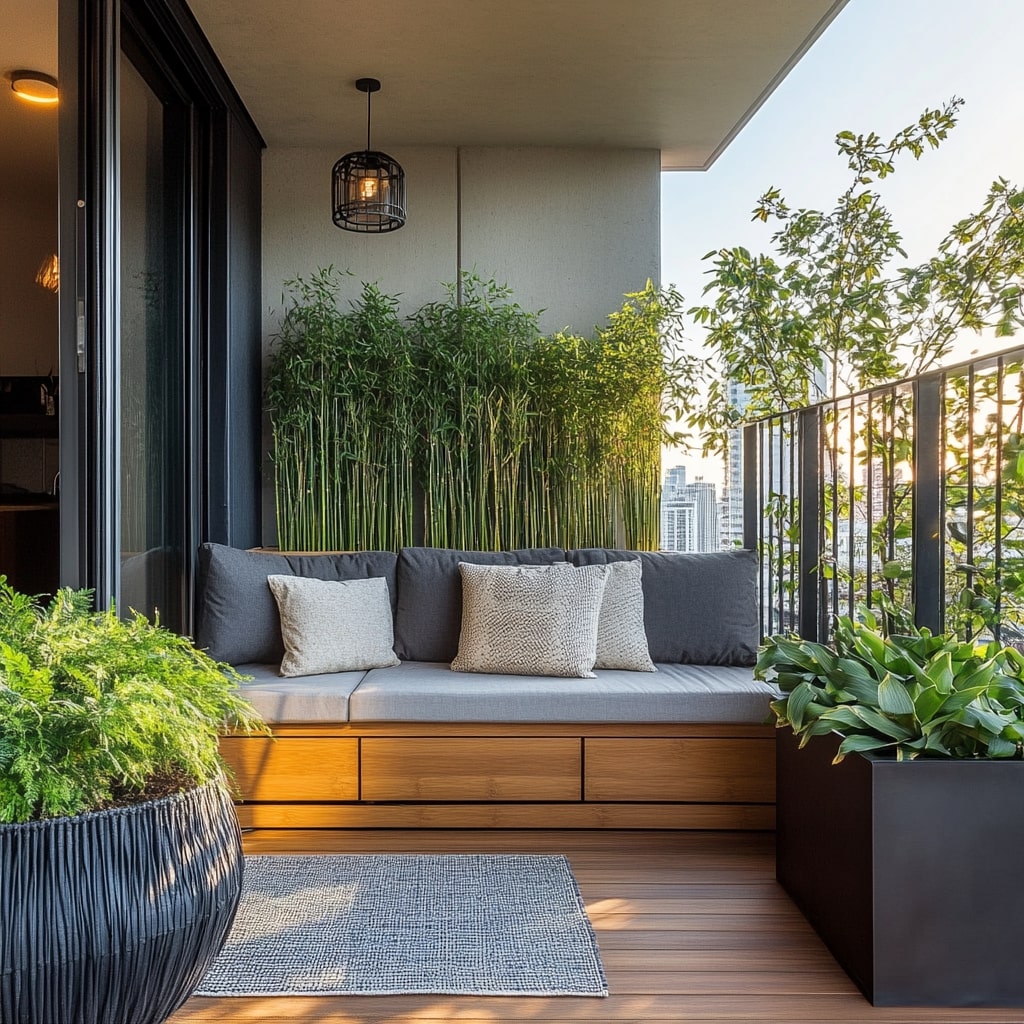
x=681 y=76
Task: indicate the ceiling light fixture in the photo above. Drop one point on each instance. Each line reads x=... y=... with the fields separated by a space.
x=368 y=187
x=34 y=86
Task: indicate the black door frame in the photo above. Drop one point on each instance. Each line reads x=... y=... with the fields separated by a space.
x=222 y=286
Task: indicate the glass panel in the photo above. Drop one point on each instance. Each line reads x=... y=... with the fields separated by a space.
x=152 y=385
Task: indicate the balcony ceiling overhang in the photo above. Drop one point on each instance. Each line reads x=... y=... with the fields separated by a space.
x=679 y=76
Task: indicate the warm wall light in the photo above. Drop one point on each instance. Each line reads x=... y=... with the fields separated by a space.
x=48 y=274
x=368 y=188
x=34 y=86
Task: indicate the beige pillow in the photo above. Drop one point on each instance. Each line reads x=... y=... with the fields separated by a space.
x=621 y=638
x=334 y=626
x=534 y=620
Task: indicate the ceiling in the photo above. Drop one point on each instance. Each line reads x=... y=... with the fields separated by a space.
x=680 y=76
x=28 y=131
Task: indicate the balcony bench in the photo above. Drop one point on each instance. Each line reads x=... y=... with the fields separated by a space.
x=418 y=745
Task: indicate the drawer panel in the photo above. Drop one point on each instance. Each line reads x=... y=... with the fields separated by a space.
x=304 y=768
x=463 y=768
x=704 y=770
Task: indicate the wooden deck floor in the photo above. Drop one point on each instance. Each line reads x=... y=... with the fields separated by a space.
x=692 y=927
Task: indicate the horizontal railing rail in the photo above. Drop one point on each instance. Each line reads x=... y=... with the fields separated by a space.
x=908 y=497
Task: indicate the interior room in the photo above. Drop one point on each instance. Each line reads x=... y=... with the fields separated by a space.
x=29 y=282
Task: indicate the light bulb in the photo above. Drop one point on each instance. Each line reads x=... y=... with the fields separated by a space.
x=368 y=189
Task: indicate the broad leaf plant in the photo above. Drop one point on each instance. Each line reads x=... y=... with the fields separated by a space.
x=906 y=695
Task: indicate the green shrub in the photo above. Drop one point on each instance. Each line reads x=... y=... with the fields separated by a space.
x=93 y=707
x=912 y=695
x=513 y=439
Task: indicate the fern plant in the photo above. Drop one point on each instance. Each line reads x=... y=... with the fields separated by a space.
x=93 y=707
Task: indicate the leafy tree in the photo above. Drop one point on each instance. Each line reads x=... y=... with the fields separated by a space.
x=830 y=311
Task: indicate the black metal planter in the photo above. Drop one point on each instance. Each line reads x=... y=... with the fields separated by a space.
x=115 y=916
x=907 y=871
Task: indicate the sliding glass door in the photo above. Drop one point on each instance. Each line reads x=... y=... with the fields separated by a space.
x=154 y=378
x=160 y=347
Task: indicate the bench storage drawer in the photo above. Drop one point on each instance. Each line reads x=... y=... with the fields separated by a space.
x=310 y=768
x=680 y=769
x=464 y=768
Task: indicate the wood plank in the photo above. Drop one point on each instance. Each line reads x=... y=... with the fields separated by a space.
x=505 y=816
x=657 y=971
x=314 y=768
x=712 y=907
x=711 y=770
x=636 y=1009
x=468 y=768
x=725 y=730
x=728 y=961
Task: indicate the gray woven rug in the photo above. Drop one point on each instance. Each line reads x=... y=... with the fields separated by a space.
x=389 y=924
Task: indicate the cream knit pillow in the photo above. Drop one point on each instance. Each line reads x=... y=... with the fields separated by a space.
x=334 y=626
x=621 y=638
x=534 y=620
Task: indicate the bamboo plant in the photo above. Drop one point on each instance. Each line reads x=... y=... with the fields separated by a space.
x=511 y=438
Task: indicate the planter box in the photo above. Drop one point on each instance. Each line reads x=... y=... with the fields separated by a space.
x=115 y=916
x=909 y=871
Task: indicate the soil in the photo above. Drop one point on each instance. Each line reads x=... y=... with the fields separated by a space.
x=162 y=784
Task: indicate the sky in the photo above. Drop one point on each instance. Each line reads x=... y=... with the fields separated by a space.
x=875 y=68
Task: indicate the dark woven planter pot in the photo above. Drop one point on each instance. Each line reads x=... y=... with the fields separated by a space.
x=907 y=870
x=114 y=917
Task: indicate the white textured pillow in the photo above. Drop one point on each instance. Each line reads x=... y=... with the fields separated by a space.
x=621 y=638
x=530 y=620
x=334 y=626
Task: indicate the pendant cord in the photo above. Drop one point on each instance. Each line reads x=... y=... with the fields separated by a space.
x=368 y=96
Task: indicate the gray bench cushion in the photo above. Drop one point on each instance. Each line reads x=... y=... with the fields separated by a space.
x=699 y=609
x=301 y=699
x=431 y=692
x=236 y=614
x=429 y=613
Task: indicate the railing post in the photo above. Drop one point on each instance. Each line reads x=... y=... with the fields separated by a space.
x=809 y=509
x=751 y=491
x=926 y=561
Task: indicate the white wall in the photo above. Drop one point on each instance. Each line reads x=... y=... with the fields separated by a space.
x=299 y=236
x=569 y=230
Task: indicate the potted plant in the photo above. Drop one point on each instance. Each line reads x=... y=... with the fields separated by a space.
x=120 y=854
x=901 y=806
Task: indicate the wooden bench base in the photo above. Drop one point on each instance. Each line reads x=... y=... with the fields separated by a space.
x=470 y=775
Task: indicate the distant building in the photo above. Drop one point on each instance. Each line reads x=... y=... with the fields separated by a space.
x=732 y=491
x=689 y=513
x=675 y=483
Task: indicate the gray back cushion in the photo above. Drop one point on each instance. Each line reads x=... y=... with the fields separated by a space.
x=699 y=609
x=429 y=614
x=236 y=615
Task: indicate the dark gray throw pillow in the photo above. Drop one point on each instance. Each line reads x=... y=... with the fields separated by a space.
x=236 y=615
x=429 y=614
x=699 y=608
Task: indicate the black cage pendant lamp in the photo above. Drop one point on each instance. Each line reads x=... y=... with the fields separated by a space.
x=368 y=188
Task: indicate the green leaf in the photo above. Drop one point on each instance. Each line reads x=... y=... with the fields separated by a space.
x=999 y=747
x=859 y=744
x=796 y=704
x=940 y=672
x=893 y=698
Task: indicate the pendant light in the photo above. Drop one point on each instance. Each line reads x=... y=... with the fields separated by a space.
x=368 y=187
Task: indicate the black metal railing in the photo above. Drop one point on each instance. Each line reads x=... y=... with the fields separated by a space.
x=907 y=497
